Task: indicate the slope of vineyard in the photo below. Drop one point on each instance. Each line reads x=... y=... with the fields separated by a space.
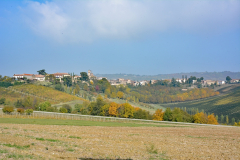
x=226 y=104
x=45 y=93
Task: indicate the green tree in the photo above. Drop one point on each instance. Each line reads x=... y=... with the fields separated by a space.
x=42 y=72
x=222 y=118
x=68 y=107
x=67 y=80
x=63 y=110
x=84 y=76
x=228 y=79
x=167 y=115
x=50 y=78
x=77 y=89
x=227 y=120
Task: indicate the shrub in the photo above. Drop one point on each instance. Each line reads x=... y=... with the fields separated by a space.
x=29 y=111
x=44 y=105
x=20 y=110
x=8 y=109
x=68 y=107
x=63 y=110
x=50 y=109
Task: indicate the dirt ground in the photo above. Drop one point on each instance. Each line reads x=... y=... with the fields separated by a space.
x=27 y=141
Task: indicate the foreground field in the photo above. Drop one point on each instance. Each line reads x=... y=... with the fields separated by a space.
x=32 y=141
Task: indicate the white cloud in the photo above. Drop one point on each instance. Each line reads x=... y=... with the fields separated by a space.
x=74 y=21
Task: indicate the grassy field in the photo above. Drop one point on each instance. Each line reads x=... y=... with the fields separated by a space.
x=227 y=103
x=71 y=103
x=85 y=123
x=61 y=140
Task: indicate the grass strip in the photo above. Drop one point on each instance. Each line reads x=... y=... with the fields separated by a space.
x=17 y=146
x=83 y=123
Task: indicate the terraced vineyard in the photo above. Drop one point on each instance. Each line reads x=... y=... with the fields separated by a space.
x=38 y=91
x=228 y=103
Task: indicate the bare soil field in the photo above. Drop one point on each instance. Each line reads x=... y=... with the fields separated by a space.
x=28 y=141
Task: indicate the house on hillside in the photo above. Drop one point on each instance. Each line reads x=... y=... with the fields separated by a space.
x=60 y=75
x=235 y=80
x=208 y=82
x=38 y=77
x=20 y=76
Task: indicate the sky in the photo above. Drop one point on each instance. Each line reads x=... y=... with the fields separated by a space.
x=145 y=37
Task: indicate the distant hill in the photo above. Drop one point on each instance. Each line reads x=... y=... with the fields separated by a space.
x=206 y=75
x=227 y=103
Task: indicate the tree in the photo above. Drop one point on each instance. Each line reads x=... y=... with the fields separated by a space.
x=67 y=80
x=200 y=118
x=42 y=72
x=63 y=110
x=120 y=95
x=50 y=78
x=158 y=115
x=84 y=76
x=212 y=119
x=29 y=111
x=68 y=107
x=167 y=115
x=227 y=120
x=2 y=101
x=77 y=89
x=59 y=87
x=113 y=109
x=228 y=79
x=8 y=109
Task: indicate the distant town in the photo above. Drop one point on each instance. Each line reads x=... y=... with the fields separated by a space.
x=119 y=81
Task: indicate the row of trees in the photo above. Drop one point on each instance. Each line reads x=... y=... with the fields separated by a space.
x=178 y=115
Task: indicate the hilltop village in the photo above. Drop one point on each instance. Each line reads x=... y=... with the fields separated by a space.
x=42 y=76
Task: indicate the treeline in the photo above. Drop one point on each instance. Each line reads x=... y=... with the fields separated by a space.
x=103 y=107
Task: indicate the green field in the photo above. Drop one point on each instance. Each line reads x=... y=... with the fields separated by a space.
x=227 y=103
x=85 y=123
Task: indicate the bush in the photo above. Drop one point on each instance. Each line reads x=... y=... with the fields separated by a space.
x=50 y=109
x=29 y=111
x=8 y=109
x=68 y=107
x=44 y=105
x=63 y=110
x=20 y=110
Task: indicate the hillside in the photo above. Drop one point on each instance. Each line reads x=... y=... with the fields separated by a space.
x=206 y=75
x=227 y=103
x=38 y=91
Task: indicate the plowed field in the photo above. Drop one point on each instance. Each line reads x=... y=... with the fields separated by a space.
x=28 y=141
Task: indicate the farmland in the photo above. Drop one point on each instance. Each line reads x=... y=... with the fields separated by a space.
x=37 y=91
x=227 y=103
x=43 y=140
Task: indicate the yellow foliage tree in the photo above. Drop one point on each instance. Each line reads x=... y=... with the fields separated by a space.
x=200 y=118
x=212 y=119
x=120 y=94
x=158 y=115
x=113 y=109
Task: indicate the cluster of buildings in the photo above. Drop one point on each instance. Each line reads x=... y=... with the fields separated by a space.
x=119 y=81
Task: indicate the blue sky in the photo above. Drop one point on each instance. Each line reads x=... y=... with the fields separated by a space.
x=119 y=36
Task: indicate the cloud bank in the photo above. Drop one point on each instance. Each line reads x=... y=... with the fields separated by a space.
x=86 y=21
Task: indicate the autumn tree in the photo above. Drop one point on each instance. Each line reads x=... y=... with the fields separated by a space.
x=158 y=115
x=212 y=119
x=200 y=118
x=120 y=95
x=113 y=109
